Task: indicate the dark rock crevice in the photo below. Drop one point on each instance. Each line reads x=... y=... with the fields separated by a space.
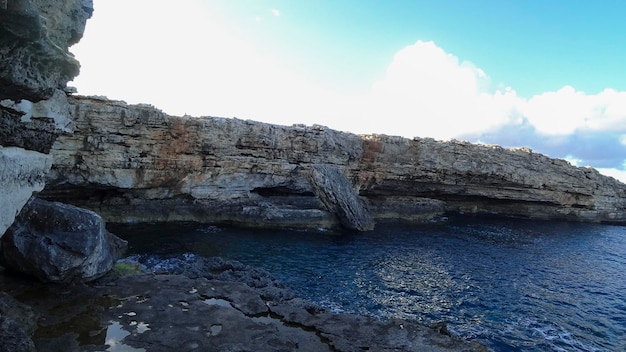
x=37 y=135
x=281 y=191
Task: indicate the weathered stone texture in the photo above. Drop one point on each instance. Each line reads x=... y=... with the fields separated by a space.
x=22 y=172
x=17 y=325
x=35 y=66
x=337 y=195
x=34 y=39
x=137 y=163
x=490 y=179
x=59 y=243
x=173 y=312
x=34 y=126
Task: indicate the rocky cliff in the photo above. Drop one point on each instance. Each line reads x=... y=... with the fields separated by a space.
x=35 y=66
x=135 y=163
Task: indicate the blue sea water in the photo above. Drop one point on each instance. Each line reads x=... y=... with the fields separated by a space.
x=513 y=285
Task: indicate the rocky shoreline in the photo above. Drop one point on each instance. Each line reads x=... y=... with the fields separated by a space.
x=130 y=163
x=205 y=305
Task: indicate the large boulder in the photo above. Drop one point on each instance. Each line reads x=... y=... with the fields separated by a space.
x=59 y=243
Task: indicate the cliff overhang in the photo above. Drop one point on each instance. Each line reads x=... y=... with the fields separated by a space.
x=136 y=163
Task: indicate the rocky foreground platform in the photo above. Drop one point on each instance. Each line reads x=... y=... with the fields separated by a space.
x=231 y=308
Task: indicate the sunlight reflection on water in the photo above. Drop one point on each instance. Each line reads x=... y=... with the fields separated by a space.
x=510 y=284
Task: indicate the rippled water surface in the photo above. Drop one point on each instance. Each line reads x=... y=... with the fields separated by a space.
x=510 y=284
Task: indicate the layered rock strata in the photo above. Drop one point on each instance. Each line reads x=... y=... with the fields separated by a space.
x=135 y=163
x=35 y=66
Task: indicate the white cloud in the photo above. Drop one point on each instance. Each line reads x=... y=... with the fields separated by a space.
x=615 y=173
x=567 y=110
x=573 y=160
x=428 y=92
x=559 y=112
x=276 y=12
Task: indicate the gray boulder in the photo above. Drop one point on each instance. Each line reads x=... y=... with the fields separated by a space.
x=57 y=242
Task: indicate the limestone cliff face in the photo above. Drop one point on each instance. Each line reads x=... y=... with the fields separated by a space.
x=135 y=163
x=35 y=66
x=490 y=179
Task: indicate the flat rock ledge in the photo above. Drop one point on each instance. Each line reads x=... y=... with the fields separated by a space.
x=166 y=312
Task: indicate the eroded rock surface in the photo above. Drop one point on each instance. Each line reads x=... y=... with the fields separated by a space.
x=59 y=243
x=17 y=325
x=135 y=163
x=337 y=195
x=35 y=66
x=212 y=315
x=148 y=312
x=22 y=172
x=34 y=39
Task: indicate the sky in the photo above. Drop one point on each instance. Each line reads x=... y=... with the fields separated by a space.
x=549 y=75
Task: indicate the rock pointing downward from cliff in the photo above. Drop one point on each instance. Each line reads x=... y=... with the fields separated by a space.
x=334 y=190
x=59 y=243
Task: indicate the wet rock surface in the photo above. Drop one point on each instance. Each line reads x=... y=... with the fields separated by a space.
x=59 y=243
x=17 y=325
x=174 y=312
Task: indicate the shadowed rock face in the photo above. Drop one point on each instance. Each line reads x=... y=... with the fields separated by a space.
x=34 y=37
x=17 y=324
x=35 y=66
x=59 y=243
x=133 y=162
